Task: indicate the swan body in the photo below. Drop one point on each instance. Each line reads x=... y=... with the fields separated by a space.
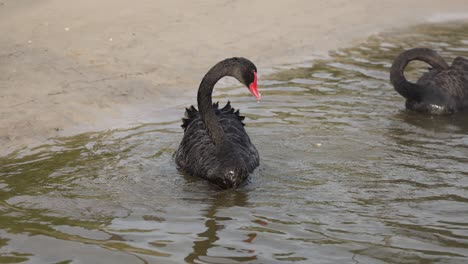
x=215 y=145
x=442 y=90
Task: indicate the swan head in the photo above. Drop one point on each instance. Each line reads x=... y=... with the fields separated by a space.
x=246 y=73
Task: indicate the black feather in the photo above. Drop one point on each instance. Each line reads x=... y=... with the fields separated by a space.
x=227 y=106
x=192 y=113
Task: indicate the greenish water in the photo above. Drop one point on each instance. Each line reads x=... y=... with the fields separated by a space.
x=346 y=176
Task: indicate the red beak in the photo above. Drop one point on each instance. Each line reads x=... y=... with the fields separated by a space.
x=253 y=88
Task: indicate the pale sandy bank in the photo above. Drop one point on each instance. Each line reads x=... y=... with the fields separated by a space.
x=72 y=66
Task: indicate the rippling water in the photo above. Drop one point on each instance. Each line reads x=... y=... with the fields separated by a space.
x=346 y=176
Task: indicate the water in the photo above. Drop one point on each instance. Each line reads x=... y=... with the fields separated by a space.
x=346 y=176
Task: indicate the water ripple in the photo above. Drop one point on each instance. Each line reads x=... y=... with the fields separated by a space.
x=346 y=176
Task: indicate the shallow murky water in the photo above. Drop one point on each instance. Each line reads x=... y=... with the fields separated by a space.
x=346 y=176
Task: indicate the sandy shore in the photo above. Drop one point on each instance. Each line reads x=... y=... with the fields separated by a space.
x=72 y=66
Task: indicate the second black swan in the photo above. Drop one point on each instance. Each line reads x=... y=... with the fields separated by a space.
x=215 y=145
x=442 y=90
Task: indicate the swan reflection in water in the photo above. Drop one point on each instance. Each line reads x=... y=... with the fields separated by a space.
x=214 y=225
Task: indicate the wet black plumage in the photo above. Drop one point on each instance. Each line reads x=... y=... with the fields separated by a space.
x=442 y=90
x=192 y=114
x=215 y=145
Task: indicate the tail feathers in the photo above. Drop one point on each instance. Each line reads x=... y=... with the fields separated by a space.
x=185 y=123
x=191 y=113
x=229 y=110
x=237 y=114
x=227 y=107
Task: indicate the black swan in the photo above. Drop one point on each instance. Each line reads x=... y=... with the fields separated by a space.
x=215 y=145
x=442 y=90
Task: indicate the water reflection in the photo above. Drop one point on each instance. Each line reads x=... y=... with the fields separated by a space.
x=213 y=224
x=454 y=124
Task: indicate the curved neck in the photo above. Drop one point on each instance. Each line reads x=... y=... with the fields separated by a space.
x=205 y=103
x=408 y=89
